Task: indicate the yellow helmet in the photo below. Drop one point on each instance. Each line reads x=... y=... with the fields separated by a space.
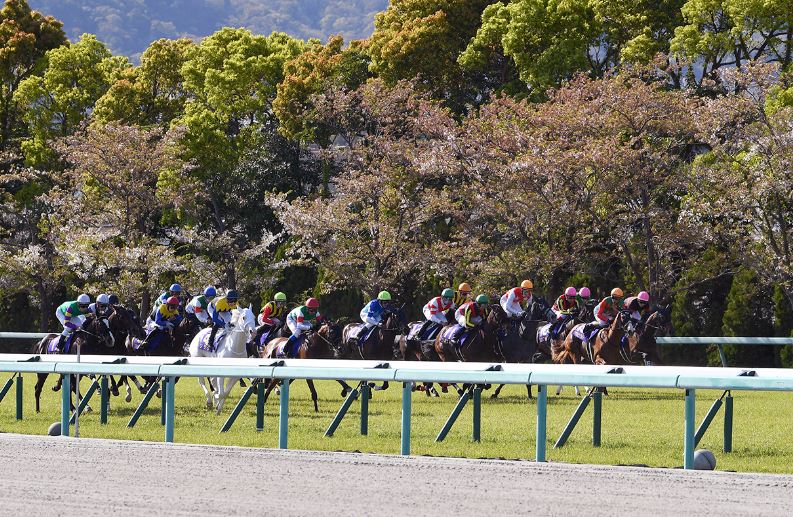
x=526 y=284
x=617 y=292
x=464 y=288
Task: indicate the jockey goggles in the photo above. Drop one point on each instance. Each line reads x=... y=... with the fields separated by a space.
x=83 y=305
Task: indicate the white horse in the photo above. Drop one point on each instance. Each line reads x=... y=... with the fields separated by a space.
x=231 y=344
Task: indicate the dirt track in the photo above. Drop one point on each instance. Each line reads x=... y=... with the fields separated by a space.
x=107 y=476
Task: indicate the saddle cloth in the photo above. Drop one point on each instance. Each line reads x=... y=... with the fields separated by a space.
x=53 y=344
x=544 y=332
x=203 y=340
x=578 y=332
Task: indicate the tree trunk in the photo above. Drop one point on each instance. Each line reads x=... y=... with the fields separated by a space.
x=45 y=316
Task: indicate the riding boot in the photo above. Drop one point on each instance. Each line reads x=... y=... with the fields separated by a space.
x=211 y=342
x=60 y=345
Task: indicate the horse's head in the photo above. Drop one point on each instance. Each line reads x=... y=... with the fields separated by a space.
x=331 y=332
x=126 y=320
x=496 y=317
x=539 y=309
x=97 y=332
x=243 y=319
x=659 y=323
x=393 y=320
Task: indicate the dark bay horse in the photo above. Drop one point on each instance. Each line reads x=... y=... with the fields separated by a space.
x=172 y=344
x=379 y=346
x=643 y=346
x=92 y=338
x=325 y=343
x=123 y=323
x=483 y=345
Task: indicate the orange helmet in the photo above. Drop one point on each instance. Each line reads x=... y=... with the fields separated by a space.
x=617 y=293
x=464 y=288
x=526 y=284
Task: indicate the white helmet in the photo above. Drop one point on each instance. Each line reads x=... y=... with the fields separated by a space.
x=84 y=299
x=103 y=299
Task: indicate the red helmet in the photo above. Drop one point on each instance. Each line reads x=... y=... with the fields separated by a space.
x=312 y=303
x=173 y=300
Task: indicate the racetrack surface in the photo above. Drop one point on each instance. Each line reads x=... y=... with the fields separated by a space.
x=143 y=478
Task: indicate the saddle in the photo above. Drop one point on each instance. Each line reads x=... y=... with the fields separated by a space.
x=52 y=346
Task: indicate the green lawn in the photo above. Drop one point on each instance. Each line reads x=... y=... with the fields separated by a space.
x=639 y=426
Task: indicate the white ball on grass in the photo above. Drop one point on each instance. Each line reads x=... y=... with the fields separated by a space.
x=55 y=429
x=704 y=460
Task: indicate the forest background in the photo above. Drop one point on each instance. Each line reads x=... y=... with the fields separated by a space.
x=643 y=144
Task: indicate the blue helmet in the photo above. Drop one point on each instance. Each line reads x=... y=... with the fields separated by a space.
x=232 y=296
x=210 y=291
x=175 y=288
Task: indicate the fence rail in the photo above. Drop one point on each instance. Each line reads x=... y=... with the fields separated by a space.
x=686 y=379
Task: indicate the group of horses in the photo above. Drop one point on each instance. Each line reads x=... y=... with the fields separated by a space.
x=499 y=338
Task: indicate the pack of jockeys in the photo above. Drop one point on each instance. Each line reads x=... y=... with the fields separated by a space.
x=220 y=311
x=565 y=307
x=372 y=315
x=197 y=309
x=469 y=316
x=270 y=319
x=515 y=301
x=300 y=320
x=435 y=313
x=72 y=316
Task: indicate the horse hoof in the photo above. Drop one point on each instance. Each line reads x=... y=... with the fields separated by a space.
x=210 y=405
x=114 y=392
x=494 y=396
x=159 y=393
x=435 y=393
x=444 y=389
x=88 y=409
x=142 y=390
x=56 y=388
x=128 y=398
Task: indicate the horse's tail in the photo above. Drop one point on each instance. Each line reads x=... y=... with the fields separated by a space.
x=41 y=347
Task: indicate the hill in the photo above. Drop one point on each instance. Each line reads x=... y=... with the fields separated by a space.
x=128 y=26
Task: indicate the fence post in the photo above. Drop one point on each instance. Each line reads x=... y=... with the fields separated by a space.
x=169 y=398
x=597 y=408
x=365 y=408
x=477 y=424
x=66 y=403
x=19 y=397
x=163 y=399
x=407 y=393
x=728 y=422
x=688 y=442
x=542 y=414
x=105 y=400
x=283 y=423
x=260 y=406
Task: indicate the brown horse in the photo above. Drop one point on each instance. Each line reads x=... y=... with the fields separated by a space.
x=643 y=345
x=606 y=348
x=92 y=338
x=325 y=343
x=483 y=346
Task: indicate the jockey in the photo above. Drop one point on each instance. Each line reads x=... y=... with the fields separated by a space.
x=583 y=296
x=196 y=309
x=470 y=316
x=299 y=320
x=608 y=308
x=462 y=295
x=174 y=290
x=638 y=305
x=514 y=300
x=564 y=308
x=102 y=305
x=219 y=310
x=168 y=316
x=435 y=311
x=372 y=315
x=72 y=315
x=272 y=315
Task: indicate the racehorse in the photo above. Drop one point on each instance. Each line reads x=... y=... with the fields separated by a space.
x=325 y=343
x=607 y=347
x=122 y=322
x=229 y=344
x=379 y=345
x=482 y=345
x=92 y=338
x=642 y=343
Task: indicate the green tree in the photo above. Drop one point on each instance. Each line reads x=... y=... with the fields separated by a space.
x=25 y=36
x=749 y=313
x=57 y=102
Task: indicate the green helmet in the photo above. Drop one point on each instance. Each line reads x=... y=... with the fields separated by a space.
x=280 y=297
x=482 y=299
x=448 y=293
x=384 y=296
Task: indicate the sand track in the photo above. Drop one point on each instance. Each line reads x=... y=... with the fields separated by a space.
x=104 y=476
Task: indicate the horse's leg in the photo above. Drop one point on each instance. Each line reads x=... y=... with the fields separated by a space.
x=384 y=386
x=270 y=384
x=313 y=394
x=577 y=391
x=42 y=378
x=345 y=388
x=528 y=389
x=142 y=389
x=559 y=389
x=497 y=392
x=113 y=386
x=58 y=384
x=459 y=390
x=207 y=393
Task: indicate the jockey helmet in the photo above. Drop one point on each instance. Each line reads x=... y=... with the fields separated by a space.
x=103 y=299
x=83 y=299
x=210 y=291
x=384 y=296
x=447 y=293
x=312 y=303
x=644 y=296
x=173 y=301
x=482 y=299
x=232 y=296
x=113 y=299
x=584 y=292
x=617 y=293
x=526 y=284
x=175 y=288
x=570 y=292
x=464 y=288
x=280 y=297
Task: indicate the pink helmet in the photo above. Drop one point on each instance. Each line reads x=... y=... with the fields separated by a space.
x=570 y=292
x=584 y=292
x=644 y=296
